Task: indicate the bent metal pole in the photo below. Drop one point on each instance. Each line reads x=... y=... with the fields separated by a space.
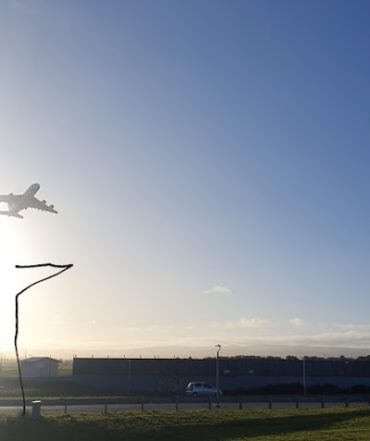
x=40 y=265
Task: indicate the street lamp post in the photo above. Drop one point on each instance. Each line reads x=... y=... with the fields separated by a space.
x=129 y=378
x=218 y=375
x=304 y=375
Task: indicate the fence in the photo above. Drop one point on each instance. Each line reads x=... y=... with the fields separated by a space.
x=69 y=407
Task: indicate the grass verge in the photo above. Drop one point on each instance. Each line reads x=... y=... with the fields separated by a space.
x=302 y=425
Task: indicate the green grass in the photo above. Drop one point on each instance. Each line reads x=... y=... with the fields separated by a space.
x=301 y=425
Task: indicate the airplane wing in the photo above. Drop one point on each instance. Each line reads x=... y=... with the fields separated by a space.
x=5 y=198
x=41 y=205
x=10 y=214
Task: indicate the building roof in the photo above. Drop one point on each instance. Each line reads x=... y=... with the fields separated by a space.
x=40 y=359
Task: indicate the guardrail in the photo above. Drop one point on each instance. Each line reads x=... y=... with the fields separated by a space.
x=68 y=407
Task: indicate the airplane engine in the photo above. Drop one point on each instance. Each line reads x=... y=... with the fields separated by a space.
x=52 y=207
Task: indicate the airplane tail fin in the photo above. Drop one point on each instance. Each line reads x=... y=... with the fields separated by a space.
x=31 y=191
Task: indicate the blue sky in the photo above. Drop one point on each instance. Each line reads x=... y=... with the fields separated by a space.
x=209 y=160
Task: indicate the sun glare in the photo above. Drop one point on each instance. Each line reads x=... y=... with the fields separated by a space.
x=8 y=248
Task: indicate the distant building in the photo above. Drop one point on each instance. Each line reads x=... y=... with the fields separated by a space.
x=40 y=367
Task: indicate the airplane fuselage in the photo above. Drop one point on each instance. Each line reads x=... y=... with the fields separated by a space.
x=19 y=202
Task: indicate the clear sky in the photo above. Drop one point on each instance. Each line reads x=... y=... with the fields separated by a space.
x=210 y=164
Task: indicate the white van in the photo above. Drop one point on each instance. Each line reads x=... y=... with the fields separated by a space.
x=201 y=388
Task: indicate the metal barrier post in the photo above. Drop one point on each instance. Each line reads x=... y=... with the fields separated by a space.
x=142 y=405
x=177 y=403
x=297 y=404
x=36 y=409
x=105 y=408
x=65 y=408
x=322 y=403
x=209 y=404
x=346 y=401
x=270 y=403
x=240 y=404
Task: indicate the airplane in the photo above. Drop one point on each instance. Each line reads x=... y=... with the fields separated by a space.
x=19 y=202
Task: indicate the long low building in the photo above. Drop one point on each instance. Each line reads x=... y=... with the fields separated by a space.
x=238 y=374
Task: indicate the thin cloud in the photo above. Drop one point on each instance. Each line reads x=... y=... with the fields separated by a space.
x=352 y=327
x=219 y=290
x=247 y=323
x=296 y=321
